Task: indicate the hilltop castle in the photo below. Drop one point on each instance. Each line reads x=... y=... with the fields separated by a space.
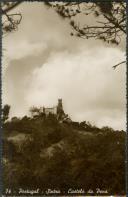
x=56 y=110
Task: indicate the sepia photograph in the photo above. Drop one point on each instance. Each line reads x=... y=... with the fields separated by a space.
x=63 y=98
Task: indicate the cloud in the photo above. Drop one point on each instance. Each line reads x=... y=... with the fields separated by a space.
x=23 y=49
x=86 y=83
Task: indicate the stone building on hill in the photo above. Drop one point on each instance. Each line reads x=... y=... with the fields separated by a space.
x=56 y=110
x=49 y=110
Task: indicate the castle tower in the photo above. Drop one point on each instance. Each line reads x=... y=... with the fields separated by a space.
x=60 y=105
x=60 y=111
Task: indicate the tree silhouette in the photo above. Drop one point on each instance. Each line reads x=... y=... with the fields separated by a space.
x=5 y=112
x=110 y=26
x=10 y=22
x=110 y=23
x=35 y=110
x=110 y=19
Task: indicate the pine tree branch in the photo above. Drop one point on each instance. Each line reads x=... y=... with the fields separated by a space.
x=115 y=66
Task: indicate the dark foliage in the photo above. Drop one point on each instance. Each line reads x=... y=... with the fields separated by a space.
x=11 y=21
x=110 y=24
x=5 y=112
x=59 y=155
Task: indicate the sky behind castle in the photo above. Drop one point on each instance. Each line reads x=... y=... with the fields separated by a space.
x=42 y=63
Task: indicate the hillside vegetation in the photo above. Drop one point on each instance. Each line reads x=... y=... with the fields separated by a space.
x=44 y=153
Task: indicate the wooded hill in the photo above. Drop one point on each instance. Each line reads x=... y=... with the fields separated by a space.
x=43 y=153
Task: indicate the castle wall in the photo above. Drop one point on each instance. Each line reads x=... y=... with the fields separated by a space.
x=52 y=110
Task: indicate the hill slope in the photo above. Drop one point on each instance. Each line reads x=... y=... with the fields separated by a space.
x=48 y=154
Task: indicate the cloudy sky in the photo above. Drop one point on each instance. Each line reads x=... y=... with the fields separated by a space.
x=42 y=63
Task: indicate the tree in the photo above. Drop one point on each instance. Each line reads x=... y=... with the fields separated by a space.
x=5 y=112
x=110 y=24
x=110 y=27
x=10 y=22
x=35 y=111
